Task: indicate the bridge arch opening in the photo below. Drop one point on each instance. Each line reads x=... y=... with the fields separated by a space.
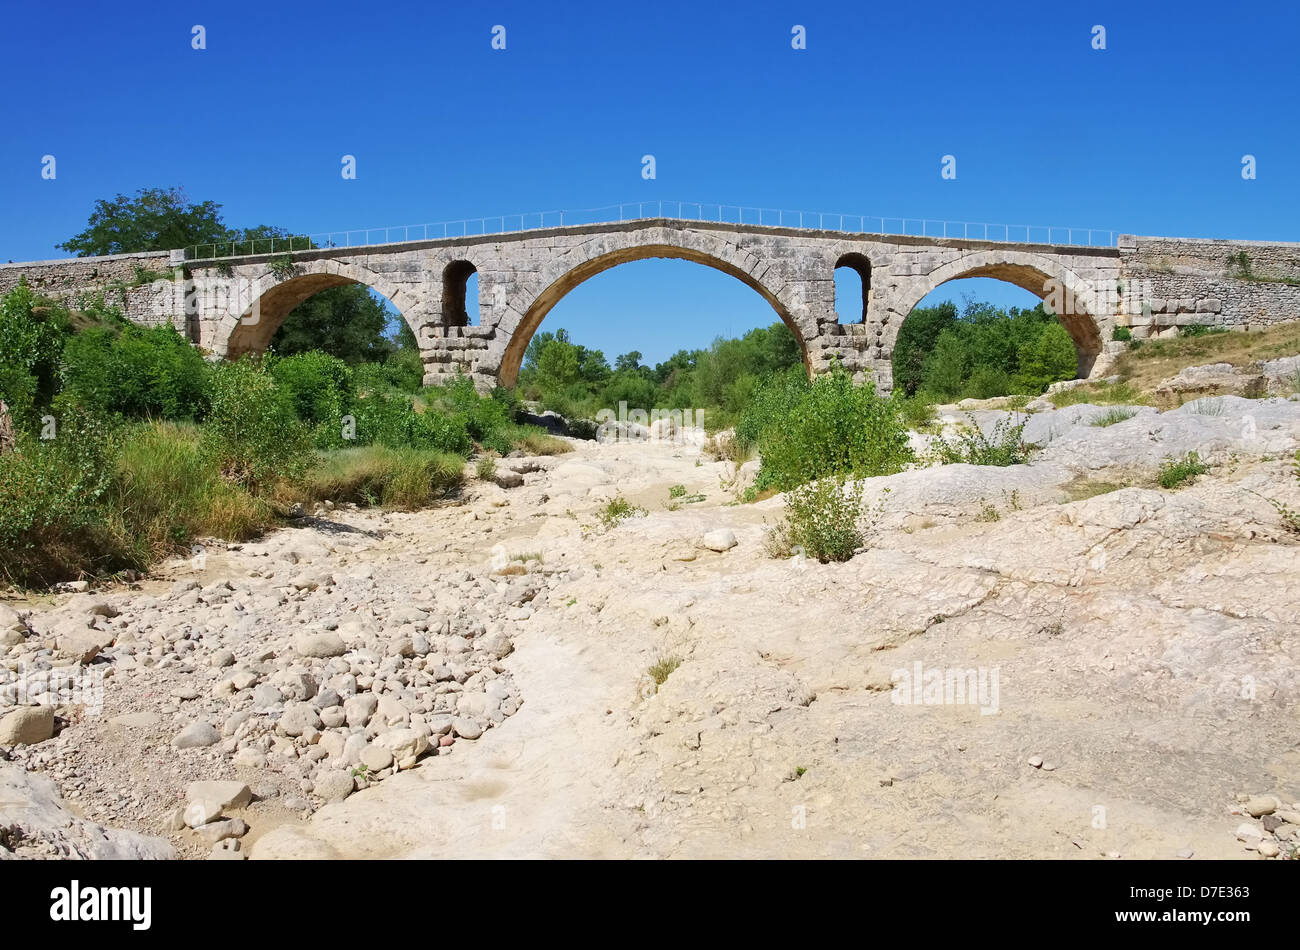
x=319 y=314
x=852 y=287
x=460 y=304
x=983 y=329
x=530 y=322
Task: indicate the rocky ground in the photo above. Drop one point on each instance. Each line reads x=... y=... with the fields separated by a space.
x=1117 y=669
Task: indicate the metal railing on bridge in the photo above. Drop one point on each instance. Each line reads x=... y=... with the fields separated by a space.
x=677 y=210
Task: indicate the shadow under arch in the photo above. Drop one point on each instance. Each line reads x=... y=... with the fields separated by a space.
x=548 y=298
x=271 y=299
x=1065 y=294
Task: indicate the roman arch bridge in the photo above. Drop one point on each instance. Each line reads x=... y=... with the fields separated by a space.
x=231 y=305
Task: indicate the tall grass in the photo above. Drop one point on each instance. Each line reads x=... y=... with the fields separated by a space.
x=376 y=475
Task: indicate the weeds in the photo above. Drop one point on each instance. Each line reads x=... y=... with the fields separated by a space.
x=824 y=520
x=1175 y=472
x=1113 y=417
x=1004 y=446
x=662 y=668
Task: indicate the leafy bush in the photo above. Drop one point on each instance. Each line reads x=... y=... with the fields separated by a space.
x=1175 y=472
x=1122 y=334
x=1004 y=446
x=984 y=352
x=830 y=427
x=823 y=520
x=917 y=411
x=31 y=341
x=136 y=372
x=251 y=432
x=53 y=518
x=319 y=386
x=392 y=421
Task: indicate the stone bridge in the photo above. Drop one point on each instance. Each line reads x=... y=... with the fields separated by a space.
x=233 y=305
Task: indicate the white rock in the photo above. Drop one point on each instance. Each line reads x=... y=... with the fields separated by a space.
x=721 y=539
x=197 y=735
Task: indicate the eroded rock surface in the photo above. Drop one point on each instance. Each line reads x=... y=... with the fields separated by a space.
x=1118 y=666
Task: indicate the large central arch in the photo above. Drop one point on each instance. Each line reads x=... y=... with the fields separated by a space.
x=255 y=314
x=1043 y=277
x=575 y=274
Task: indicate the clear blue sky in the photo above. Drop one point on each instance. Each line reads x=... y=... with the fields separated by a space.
x=1146 y=136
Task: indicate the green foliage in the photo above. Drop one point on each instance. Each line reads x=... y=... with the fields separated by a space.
x=1113 y=416
x=772 y=401
x=392 y=420
x=1175 y=472
x=31 y=342
x=1005 y=445
x=346 y=322
x=319 y=386
x=1101 y=394
x=135 y=372
x=917 y=338
x=485 y=468
x=251 y=431
x=1199 y=329
x=982 y=353
x=282 y=267
x=53 y=521
x=400 y=478
x=662 y=668
x=617 y=510
x=917 y=411
x=1046 y=358
x=827 y=427
x=577 y=382
x=1122 y=334
x=156 y=219
x=823 y=520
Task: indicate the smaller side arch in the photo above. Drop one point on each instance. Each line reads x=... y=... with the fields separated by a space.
x=861 y=265
x=455 y=284
x=1048 y=280
x=254 y=308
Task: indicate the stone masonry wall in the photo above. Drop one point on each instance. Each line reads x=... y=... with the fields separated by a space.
x=1176 y=282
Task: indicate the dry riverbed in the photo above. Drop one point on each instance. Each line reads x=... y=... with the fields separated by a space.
x=503 y=676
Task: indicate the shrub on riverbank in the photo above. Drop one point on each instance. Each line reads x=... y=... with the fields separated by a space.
x=806 y=431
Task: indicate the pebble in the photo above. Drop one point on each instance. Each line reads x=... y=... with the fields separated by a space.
x=466 y=728
x=1260 y=805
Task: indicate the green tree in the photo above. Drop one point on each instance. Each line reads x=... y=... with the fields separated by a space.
x=156 y=219
x=1048 y=358
x=916 y=340
x=557 y=365
x=346 y=322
